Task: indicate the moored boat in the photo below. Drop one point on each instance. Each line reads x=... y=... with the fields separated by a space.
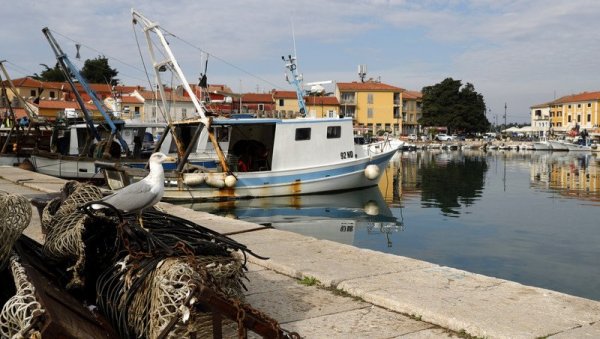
x=256 y=157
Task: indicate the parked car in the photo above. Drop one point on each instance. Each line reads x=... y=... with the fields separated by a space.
x=443 y=137
x=412 y=137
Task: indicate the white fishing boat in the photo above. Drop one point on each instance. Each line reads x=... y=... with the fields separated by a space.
x=255 y=157
x=73 y=152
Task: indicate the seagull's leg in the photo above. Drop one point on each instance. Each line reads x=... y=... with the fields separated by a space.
x=141 y=221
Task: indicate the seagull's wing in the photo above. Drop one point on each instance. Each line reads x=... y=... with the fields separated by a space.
x=134 y=197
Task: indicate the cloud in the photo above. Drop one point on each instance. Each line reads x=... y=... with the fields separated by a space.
x=513 y=51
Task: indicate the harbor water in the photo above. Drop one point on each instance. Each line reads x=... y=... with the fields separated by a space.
x=529 y=217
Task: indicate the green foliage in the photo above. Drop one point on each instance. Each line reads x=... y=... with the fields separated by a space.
x=458 y=107
x=95 y=71
x=309 y=281
x=50 y=74
x=98 y=71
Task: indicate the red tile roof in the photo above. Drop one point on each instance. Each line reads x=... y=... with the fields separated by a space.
x=412 y=95
x=367 y=86
x=257 y=97
x=149 y=95
x=61 y=104
x=284 y=95
x=330 y=101
x=130 y=99
x=585 y=96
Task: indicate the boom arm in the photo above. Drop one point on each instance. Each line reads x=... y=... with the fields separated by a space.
x=71 y=71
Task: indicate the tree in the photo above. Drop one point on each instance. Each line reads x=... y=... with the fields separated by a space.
x=50 y=74
x=98 y=71
x=458 y=107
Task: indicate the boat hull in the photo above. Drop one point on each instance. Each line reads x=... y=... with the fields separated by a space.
x=334 y=177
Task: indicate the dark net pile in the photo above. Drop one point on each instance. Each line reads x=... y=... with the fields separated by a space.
x=146 y=281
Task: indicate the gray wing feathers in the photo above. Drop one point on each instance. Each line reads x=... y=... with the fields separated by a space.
x=133 y=197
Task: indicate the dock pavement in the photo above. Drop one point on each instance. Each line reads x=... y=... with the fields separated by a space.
x=360 y=293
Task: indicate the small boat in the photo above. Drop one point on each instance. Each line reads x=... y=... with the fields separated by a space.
x=253 y=157
x=558 y=145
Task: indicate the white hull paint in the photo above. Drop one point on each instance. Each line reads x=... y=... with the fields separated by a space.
x=334 y=177
x=66 y=167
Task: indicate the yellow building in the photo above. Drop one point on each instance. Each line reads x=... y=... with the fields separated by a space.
x=374 y=106
x=317 y=106
x=577 y=110
x=412 y=111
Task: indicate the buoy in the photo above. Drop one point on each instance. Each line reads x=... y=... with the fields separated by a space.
x=230 y=180
x=371 y=208
x=372 y=172
x=194 y=179
x=215 y=180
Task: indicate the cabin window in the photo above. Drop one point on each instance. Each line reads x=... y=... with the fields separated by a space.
x=302 y=134
x=334 y=132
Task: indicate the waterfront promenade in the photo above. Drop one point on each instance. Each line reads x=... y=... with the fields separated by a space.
x=367 y=294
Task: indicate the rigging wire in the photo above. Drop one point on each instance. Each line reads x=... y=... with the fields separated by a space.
x=220 y=59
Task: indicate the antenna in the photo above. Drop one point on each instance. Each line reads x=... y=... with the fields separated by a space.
x=362 y=72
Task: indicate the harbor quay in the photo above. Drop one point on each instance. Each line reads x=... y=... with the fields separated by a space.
x=323 y=289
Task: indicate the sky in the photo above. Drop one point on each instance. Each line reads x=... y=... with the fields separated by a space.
x=518 y=53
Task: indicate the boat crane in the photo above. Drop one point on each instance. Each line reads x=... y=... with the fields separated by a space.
x=71 y=72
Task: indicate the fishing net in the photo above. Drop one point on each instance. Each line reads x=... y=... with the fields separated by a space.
x=151 y=281
x=65 y=225
x=22 y=311
x=15 y=215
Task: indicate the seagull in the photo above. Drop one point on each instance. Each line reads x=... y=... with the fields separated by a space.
x=139 y=195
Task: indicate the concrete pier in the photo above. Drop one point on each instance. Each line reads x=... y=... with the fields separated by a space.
x=367 y=294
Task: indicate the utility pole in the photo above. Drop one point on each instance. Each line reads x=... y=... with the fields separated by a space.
x=505 y=115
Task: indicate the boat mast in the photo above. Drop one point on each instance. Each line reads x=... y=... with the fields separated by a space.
x=171 y=63
x=31 y=114
x=296 y=81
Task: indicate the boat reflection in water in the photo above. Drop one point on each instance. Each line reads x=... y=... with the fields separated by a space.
x=336 y=216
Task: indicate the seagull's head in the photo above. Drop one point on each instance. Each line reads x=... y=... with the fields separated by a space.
x=159 y=158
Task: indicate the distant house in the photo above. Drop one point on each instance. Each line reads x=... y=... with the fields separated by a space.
x=373 y=105
x=286 y=102
x=580 y=110
x=412 y=111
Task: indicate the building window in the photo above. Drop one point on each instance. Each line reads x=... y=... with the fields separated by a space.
x=589 y=118
x=388 y=127
x=281 y=101
x=32 y=93
x=369 y=113
x=302 y=134
x=183 y=113
x=261 y=107
x=154 y=112
x=52 y=94
x=569 y=106
x=578 y=118
x=136 y=111
x=370 y=98
x=578 y=105
x=569 y=118
x=334 y=132
x=589 y=104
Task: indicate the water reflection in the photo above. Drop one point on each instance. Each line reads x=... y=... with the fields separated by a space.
x=336 y=217
x=530 y=217
x=574 y=175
